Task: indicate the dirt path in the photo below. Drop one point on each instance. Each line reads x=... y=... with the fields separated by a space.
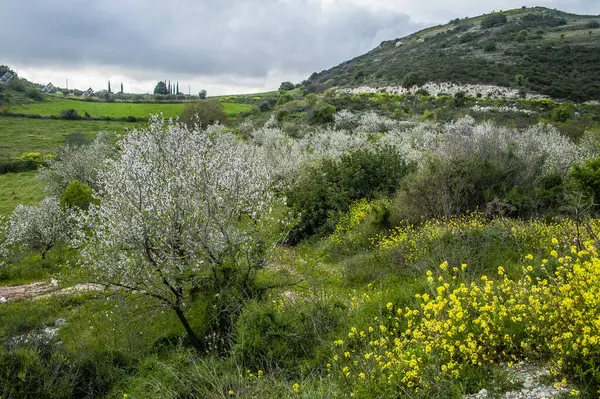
x=42 y=290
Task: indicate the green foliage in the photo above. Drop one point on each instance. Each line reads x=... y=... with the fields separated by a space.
x=504 y=184
x=326 y=190
x=286 y=86
x=562 y=113
x=490 y=46
x=413 y=79
x=202 y=94
x=322 y=114
x=557 y=69
x=35 y=94
x=493 y=20
x=69 y=114
x=161 y=88
x=286 y=336
x=587 y=178
x=205 y=113
x=77 y=194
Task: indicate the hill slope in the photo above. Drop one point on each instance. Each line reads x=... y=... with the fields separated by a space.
x=535 y=49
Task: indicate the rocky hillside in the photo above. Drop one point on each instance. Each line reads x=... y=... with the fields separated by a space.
x=533 y=50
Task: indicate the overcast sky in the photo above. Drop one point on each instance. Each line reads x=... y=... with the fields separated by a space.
x=223 y=46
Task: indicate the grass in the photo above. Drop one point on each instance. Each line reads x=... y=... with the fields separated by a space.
x=21 y=135
x=18 y=188
x=54 y=105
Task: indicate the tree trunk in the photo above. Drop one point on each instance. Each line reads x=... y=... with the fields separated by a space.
x=188 y=329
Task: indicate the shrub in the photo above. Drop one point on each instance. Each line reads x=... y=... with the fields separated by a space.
x=285 y=336
x=77 y=194
x=322 y=114
x=493 y=20
x=498 y=182
x=412 y=79
x=326 y=190
x=562 y=113
x=286 y=86
x=34 y=94
x=587 y=179
x=203 y=113
x=69 y=114
x=490 y=46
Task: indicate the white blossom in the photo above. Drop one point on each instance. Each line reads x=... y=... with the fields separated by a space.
x=76 y=163
x=39 y=227
x=181 y=209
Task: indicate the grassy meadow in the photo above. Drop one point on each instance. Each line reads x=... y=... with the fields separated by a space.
x=22 y=135
x=18 y=188
x=54 y=105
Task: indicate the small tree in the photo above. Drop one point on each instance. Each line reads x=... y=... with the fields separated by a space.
x=204 y=113
x=185 y=213
x=286 y=86
x=77 y=195
x=76 y=162
x=161 y=88
x=39 y=227
x=202 y=94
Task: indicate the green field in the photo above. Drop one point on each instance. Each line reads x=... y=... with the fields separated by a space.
x=18 y=188
x=21 y=135
x=54 y=105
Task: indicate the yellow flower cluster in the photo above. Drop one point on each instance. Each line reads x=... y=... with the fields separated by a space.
x=552 y=312
x=414 y=242
x=358 y=213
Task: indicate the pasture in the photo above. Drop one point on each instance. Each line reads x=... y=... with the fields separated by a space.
x=18 y=188
x=54 y=105
x=21 y=135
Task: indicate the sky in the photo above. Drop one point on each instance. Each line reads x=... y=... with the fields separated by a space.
x=222 y=46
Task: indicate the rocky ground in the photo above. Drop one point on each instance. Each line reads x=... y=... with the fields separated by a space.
x=537 y=383
x=41 y=290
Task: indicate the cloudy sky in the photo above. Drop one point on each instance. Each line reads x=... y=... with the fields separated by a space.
x=223 y=46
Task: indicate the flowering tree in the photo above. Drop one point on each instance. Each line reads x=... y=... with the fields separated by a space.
x=183 y=212
x=39 y=227
x=74 y=162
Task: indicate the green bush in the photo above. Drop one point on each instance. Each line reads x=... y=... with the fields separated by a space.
x=587 y=179
x=77 y=194
x=562 y=113
x=287 y=337
x=69 y=114
x=490 y=46
x=204 y=113
x=322 y=114
x=413 y=79
x=493 y=20
x=326 y=190
x=34 y=94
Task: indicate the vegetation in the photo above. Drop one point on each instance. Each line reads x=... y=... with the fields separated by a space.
x=55 y=106
x=204 y=113
x=313 y=245
x=489 y=49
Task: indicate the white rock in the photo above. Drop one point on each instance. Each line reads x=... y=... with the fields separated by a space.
x=2 y=300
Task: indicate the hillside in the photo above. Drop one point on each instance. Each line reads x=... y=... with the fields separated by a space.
x=534 y=50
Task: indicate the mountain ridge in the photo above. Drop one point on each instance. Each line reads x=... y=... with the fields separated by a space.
x=534 y=50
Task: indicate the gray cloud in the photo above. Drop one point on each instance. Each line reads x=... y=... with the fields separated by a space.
x=209 y=37
x=218 y=41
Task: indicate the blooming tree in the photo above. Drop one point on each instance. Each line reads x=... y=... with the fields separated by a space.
x=182 y=212
x=80 y=163
x=39 y=227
